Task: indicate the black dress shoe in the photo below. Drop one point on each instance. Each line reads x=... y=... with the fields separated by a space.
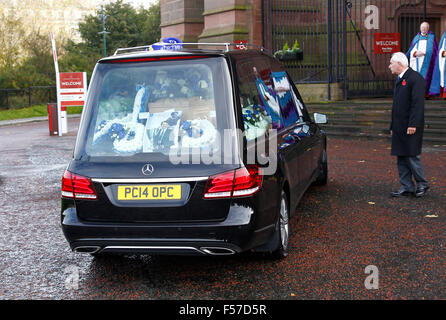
x=401 y=193
x=421 y=192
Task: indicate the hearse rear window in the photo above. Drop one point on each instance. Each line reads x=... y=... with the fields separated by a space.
x=157 y=107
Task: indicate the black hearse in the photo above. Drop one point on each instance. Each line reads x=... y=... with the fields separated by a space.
x=190 y=151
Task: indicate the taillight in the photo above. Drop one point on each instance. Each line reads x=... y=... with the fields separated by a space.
x=242 y=182
x=77 y=187
x=248 y=181
x=219 y=186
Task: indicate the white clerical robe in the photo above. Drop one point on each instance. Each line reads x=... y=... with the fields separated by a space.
x=416 y=63
x=441 y=62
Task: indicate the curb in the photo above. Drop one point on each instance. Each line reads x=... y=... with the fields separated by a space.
x=5 y=123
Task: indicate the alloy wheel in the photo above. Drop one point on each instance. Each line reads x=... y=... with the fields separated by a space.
x=284 y=223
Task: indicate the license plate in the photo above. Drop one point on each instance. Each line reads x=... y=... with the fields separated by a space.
x=150 y=192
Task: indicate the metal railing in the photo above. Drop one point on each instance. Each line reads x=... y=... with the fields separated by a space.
x=26 y=97
x=337 y=39
x=226 y=45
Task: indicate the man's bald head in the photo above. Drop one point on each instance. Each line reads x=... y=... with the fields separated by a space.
x=424 y=28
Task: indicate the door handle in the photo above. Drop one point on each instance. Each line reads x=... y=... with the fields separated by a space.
x=289 y=138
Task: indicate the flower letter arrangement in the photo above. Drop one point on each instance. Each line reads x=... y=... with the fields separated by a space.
x=197 y=133
x=125 y=133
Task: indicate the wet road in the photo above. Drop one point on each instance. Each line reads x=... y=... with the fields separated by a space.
x=337 y=231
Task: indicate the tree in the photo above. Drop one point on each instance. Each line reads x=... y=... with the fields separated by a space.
x=151 y=29
x=128 y=27
x=37 y=69
x=78 y=57
x=11 y=30
x=26 y=58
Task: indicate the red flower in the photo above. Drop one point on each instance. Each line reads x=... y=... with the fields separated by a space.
x=404 y=82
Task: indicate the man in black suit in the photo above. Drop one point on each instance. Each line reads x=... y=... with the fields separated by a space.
x=407 y=126
x=161 y=138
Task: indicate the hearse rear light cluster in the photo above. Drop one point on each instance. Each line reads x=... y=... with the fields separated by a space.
x=242 y=182
x=77 y=187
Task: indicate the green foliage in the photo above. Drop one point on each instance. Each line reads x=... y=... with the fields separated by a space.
x=286 y=46
x=26 y=60
x=128 y=27
x=78 y=58
x=296 y=46
x=31 y=112
x=151 y=29
x=38 y=64
x=11 y=30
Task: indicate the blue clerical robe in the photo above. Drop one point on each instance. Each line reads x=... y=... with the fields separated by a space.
x=439 y=75
x=424 y=65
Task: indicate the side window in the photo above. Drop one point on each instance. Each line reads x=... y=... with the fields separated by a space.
x=291 y=107
x=303 y=113
x=285 y=97
x=265 y=89
x=256 y=120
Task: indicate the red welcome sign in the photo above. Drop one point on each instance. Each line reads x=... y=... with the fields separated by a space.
x=387 y=43
x=71 y=80
x=73 y=87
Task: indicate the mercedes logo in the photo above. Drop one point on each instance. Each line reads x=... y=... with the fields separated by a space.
x=147 y=170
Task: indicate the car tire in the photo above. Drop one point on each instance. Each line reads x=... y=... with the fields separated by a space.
x=322 y=178
x=282 y=232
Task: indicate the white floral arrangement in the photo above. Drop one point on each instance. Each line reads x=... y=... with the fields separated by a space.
x=256 y=122
x=140 y=98
x=198 y=133
x=127 y=136
x=132 y=142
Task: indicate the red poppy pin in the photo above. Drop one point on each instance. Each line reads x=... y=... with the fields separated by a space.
x=404 y=82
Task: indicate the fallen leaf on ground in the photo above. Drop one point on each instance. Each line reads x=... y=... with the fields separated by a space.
x=431 y=216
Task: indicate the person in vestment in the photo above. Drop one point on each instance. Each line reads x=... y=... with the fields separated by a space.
x=423 y=53
x=439 y=76
x=407 y=126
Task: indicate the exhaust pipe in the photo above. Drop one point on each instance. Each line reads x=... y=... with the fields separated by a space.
x=87 y=249
x=217 y=251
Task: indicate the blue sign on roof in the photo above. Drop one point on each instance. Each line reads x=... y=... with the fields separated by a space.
x=167 y=44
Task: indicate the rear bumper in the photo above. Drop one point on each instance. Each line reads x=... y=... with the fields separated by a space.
x=236 y=234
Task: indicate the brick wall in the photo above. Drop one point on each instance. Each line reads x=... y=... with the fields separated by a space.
x=212 y=20
x=182 y=19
